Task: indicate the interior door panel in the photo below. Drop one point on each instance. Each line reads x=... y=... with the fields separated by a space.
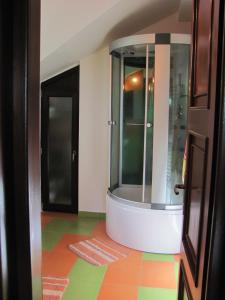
x=200 y=140
x=60 y=131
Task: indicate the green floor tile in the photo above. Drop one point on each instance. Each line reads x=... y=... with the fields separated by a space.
x=79 y=226
x=85 y=281
x=59 y=225
x=158 y=257
x=87 y=214
x=83 y=226
x=156 y=294
x=50 y=239
x=81 y=292
x=89 y=273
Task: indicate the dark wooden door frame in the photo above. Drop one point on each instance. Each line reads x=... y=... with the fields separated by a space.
x=3 y=245
x=20 y=146
x=215 y=279
x=213 y=286
x=71 y=77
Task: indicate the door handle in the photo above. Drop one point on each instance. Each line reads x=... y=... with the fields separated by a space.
x=111 y=123
x=135 y=124
x=178 y=187
x=74 y=153
x=139 y=124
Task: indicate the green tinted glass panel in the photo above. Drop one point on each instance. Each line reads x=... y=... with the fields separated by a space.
x=179 y=71
x=133 y=120
x=150 y=125
x=115 y=117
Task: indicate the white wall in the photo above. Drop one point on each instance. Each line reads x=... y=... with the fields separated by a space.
x=93 y=132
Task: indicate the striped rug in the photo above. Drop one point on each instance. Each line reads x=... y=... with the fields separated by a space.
x=99 y=251
x=53 y=287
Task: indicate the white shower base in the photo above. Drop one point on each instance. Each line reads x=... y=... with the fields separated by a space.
x=138 y=226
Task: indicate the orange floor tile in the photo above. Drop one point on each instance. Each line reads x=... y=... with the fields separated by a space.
x=158 y=274
x=139 y=276
x=124 y=272
x=58 y=263
x=118 y=292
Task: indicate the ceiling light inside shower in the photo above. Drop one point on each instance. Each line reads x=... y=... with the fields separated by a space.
x=134 y=81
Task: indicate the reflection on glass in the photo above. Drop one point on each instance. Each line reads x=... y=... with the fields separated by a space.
x=149 y=130
x=177 y=119
x=133 y=119
x=115 y=130
x=60 y=148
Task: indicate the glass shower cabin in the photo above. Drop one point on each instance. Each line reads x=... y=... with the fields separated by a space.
x=149 y=94
x=148 y=122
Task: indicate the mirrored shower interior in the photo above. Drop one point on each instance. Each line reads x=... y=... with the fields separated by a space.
x=148 y=121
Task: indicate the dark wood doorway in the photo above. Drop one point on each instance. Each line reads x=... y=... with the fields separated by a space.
x=60 y=133
x=20 y=197
x=201 y=198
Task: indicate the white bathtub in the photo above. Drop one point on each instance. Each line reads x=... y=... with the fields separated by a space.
x=138 y=226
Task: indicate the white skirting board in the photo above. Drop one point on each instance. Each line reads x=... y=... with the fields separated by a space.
x=144 y=229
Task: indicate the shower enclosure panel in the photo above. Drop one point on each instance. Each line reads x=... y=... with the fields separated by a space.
x=178 y=99
x=115 y=124
x=132 y=121
x=149 y=95
x=148 y=122
x=161 y=123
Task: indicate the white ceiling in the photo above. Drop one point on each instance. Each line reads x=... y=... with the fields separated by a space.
x=72 y=29
x=61 y=20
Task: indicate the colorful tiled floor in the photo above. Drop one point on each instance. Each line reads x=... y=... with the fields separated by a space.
x=141 y=276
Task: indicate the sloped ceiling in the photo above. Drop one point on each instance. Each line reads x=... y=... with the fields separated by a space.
x=185 y=10
x=72 y=29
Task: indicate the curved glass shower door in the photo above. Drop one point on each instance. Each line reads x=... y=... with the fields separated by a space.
x=132 y=122
x=149 y=125
x=133 y=119
x=115 y=123
x=148 y=121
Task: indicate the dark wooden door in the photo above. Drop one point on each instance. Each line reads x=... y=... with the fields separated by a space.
x=201 y=143
x=60 y=131
x=20 y=177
